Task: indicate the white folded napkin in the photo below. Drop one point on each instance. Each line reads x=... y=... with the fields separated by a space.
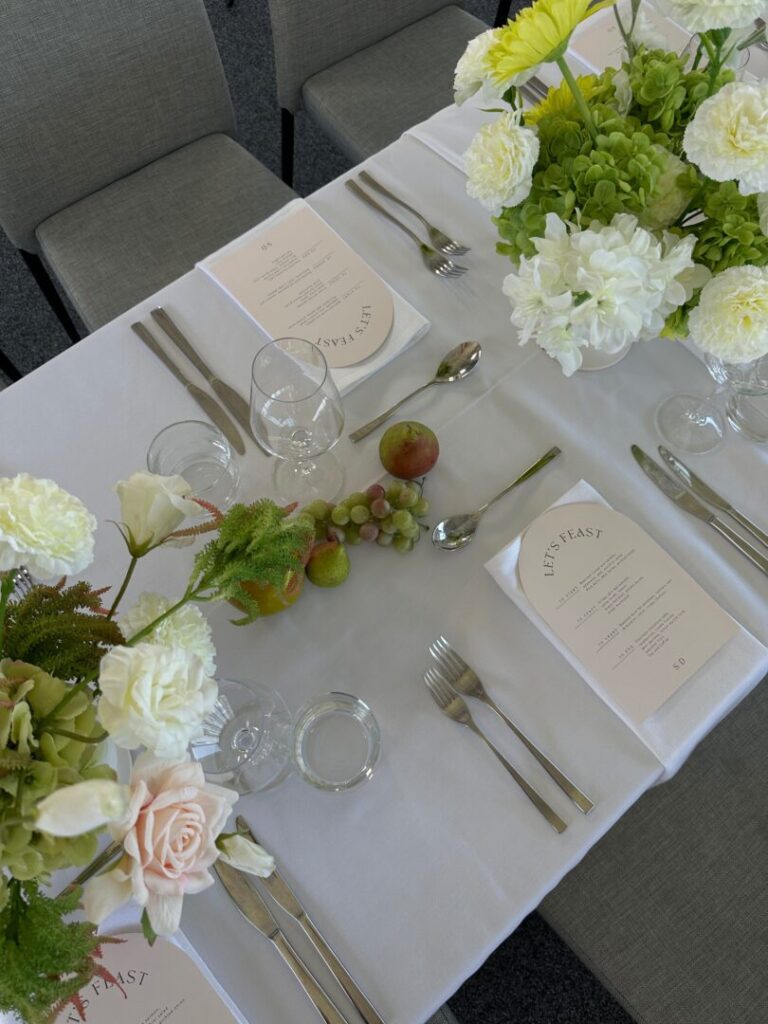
x=450 y=131
x=707 y=697
x=408 y=324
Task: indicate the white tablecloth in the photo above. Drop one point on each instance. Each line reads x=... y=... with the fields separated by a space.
x=417 y=876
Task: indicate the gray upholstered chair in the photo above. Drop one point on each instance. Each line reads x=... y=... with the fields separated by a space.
x=670 y=909
x=365 y=71
x=117 y=162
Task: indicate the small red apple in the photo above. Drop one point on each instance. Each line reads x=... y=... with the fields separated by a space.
x=408 y=450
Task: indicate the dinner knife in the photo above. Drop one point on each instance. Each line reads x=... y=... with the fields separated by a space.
x=282 y=894
x=227 y=395
x=253 y=908
x=686 y=501
x=705 y=492
x=211 y=408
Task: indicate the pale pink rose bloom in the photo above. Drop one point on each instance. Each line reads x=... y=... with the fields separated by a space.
x=169 y=836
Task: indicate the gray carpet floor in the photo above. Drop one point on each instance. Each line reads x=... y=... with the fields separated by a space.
x=533 y=978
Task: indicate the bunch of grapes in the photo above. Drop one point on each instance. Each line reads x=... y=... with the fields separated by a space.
x=390 y=516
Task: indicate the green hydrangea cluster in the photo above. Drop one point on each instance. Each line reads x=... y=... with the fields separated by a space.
x=730 y=234
x=42 y=749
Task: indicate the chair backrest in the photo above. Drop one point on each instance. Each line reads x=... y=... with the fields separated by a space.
x=311 y=35
x=91 y=90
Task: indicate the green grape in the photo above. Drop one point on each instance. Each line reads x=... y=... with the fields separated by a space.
x=352 y=533
x=402 y=544
x=402 y=519
x=319 y=509
x=393 y=491
x=408 y=497
x=385 y=539
x=388 y=525
x=305 y=517
x=359 y=514
x=340 y=515
x=356 y=498
x=421 y=507
x=411 y=532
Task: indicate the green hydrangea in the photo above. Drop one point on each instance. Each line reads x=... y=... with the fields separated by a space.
x=730 y=233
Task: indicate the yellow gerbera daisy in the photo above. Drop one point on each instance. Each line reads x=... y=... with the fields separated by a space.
x=560 y=99
x=538 y=34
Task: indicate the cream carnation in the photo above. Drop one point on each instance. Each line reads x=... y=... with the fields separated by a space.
x=728 y=136
x=500 y=162
x=702 y=15
x=472 y=73
x=187 y=628
x=154 y=696
x=43 y=527
x=731 y=319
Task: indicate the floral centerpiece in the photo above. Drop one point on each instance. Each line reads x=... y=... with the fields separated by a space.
x=74 y=674
x=632 y=203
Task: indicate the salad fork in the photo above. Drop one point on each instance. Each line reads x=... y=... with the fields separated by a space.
x=438 y=238
x=455 y=707
x=455 y=671
x=23 y=582
x=433 y=260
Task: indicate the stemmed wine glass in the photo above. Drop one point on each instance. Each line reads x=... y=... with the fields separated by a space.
x=296 y=414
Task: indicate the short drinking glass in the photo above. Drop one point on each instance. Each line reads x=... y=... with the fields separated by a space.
x=200 y=453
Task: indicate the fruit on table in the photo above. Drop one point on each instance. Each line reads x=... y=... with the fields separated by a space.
x=272 y=599
x=408 y=449
x=328 y=565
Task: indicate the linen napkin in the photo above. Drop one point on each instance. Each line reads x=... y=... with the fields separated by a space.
x=408 y=324
x=673 y=731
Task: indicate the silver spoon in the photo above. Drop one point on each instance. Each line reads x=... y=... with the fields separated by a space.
x=455 y=365
x=456 y=531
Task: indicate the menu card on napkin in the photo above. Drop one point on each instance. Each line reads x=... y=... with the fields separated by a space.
x=637 y=622
x=153 y=985
x=299 y=279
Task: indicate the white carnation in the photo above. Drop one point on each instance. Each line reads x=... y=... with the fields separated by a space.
x=500 y=162
x=43 y=527
x=187 y=628
x=728 y=136
x=702 y=15
x=472 y=73
x=731 y=319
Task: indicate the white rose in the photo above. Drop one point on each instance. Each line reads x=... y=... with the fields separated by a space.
x=73 y=810
x=154 y=696
x=245 y=855
x=731 y=319
x=728 y=136
x=500 y=163
x=44 y=528
x=187 y=628
x=152 y=507
x=702 y=15
x=472 y=73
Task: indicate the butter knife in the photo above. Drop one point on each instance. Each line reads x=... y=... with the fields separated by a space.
x=686 y=501
x=253 y=908
x=211 y=408
x=227 y=395
x=282 y=894
x=705 y=492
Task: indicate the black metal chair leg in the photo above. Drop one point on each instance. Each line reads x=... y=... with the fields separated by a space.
x=502 y=13
x=48 y=288
x=287 y=131
x=8 y=368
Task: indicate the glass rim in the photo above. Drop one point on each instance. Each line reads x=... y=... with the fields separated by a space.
x=308 y=714
x=210 y=428
x=288 y=401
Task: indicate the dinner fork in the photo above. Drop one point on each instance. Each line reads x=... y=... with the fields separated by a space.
x=438 y=238
x=455 y=707
x=456 y=672
x=433 y=260
x=22 y=583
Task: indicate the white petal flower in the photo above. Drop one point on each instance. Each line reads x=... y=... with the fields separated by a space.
x=43 y=527
x=152 y=507
x=728 y=136
x=187 y=628
x=731 y=319
x=73 y=810
x=500 y=162
x=702 y=15
x=103 y=894
x=245 y=855
x=154 y=696
x=472 y=74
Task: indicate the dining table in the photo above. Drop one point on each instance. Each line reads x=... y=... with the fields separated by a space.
x=419 y=874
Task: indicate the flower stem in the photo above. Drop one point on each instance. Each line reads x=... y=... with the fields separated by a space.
x=626 y=36
x=188 y=596
x=107 y=855
x=6 y=589
x=713 y=56
x=123 y=586
x=578 y=95
x=14 y=915
x=80 y=738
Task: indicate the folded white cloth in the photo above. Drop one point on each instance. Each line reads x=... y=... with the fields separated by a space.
x=450 y=131
x=408 y=324
x=707 y=697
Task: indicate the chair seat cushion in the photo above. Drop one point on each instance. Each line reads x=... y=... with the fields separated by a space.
x=121 y=244
x=368 y=100
x=670 y=909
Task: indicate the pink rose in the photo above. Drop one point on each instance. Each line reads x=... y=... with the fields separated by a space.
x=169 y=837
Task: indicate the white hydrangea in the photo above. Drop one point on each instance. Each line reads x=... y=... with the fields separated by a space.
x=500 y=162
x=731 y=319
x=702 y=15
x=604 y=286
x=472 y=74
x=728 y=136
x=187 y=628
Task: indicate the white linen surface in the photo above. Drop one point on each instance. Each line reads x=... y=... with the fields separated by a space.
x=408 y=325
x=706 y=698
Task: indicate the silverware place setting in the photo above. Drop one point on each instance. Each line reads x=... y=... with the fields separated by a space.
x=455 y=365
